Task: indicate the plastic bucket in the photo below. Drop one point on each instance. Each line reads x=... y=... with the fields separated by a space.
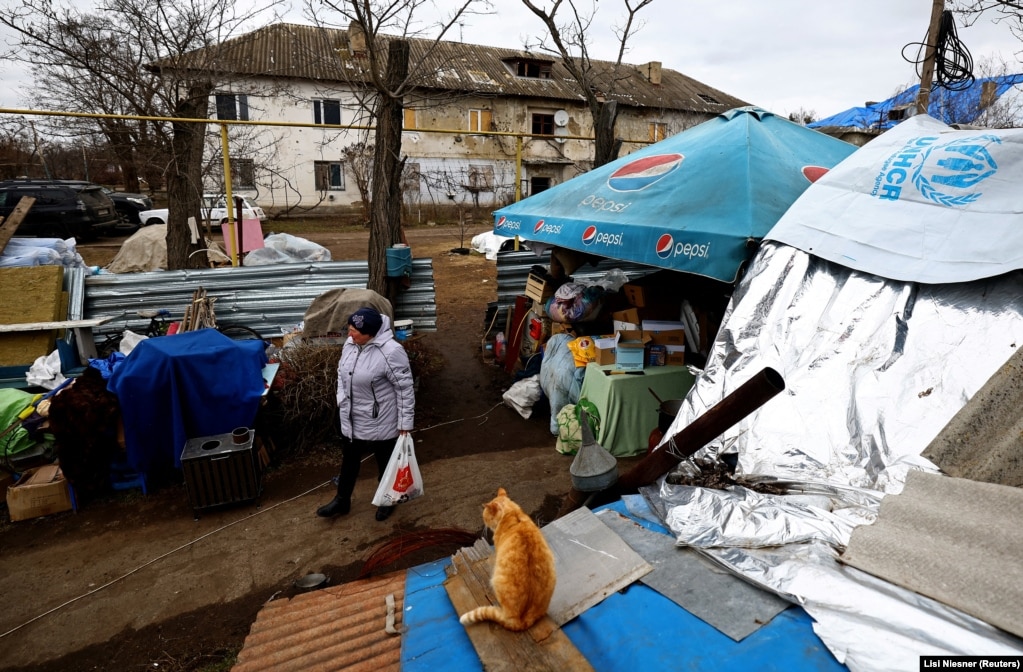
x=399 y=261
x=402 y=329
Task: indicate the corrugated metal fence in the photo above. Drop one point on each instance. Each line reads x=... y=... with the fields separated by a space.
x=271 y=300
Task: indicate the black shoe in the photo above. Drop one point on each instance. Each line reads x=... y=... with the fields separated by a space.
x=384 y=512
x=336 y=507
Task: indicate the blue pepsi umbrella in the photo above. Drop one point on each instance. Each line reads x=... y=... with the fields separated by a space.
x=693 y=202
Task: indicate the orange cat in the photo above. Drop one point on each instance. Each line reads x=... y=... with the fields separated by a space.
x=524 y=575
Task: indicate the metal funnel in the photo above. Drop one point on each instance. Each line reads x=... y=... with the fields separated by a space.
x=593 y=468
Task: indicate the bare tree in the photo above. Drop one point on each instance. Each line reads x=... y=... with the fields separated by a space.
x=384 y=61
x=982 y=106
x=359 y=159
x=135 y=57
x=570 y=39
x=1009 y=12
x=803 y=116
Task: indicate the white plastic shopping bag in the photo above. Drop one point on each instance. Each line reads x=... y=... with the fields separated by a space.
x=401 y=481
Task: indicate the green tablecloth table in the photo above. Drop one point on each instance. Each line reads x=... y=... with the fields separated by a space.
x=628 y=412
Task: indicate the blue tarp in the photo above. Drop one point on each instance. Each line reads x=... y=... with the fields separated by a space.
x=695 y=202
x=185 y=386
x=635 y=629
x=951 y=107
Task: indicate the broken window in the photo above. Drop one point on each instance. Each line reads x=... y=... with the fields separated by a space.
x=658 y=131
x=327 y=112
x=329 y=175
x=543 y=123
x=232 y=106
x=243 y=173
x=481 y=177
x=479 y=120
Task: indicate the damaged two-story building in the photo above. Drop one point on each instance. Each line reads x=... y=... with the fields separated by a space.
x=482 y=125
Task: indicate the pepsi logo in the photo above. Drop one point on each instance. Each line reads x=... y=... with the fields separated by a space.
x=814 y=173
x=642 y=173
x=500 y=222
x=591 y=236
x=665 y=246
x=538 y=227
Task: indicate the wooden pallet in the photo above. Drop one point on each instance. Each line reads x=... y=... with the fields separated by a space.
x=542 y=648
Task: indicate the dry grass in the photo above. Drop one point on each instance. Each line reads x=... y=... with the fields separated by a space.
x=306 y=387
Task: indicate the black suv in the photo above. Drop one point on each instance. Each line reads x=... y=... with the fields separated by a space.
x=62 y=210
x=128 y=205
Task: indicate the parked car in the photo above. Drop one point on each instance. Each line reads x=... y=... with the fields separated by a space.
x=80 y=211
x=214 y=211
x=128 y=204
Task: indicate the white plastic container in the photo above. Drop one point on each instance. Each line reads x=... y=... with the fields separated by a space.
x=402 y=329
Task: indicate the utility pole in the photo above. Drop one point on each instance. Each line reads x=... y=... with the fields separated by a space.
x=927 y=74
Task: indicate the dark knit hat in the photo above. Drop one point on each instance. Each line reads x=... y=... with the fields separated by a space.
x=366 y=321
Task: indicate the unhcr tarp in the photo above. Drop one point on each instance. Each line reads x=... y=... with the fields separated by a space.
x=923 y=202
x=874 y=368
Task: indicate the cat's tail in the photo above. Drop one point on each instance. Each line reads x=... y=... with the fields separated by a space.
x=495 y=614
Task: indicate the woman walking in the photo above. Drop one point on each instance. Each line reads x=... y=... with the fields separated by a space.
x=375 y=400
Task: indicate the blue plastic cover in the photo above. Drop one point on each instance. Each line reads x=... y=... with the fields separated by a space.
x=951 y=107
x=636 y=629
x=695 y=202
x=185 y=386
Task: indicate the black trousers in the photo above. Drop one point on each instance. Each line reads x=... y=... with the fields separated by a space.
x=352 y=451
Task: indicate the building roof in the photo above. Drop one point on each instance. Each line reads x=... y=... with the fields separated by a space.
x=951 y=107
x=286 y=50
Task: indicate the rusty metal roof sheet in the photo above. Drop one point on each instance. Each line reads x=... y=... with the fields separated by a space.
x=286 y=50
x=336 y=628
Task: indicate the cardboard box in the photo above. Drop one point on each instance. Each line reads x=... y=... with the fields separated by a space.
x=40 y=492
x=675 y=355
x=605 y=347
x=663 y=332
x=630 y=353
x=626 y=320
x=630 y=315
x=656 y=355
x=634 y=294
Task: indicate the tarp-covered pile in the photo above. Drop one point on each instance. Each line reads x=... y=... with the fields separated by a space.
x=886 y=297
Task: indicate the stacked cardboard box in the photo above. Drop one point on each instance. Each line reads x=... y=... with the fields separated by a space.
x=672 y=335
x=635 y=331
x=40 y=492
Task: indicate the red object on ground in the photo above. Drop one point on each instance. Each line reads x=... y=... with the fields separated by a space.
x=173 y=328
x=655 y=438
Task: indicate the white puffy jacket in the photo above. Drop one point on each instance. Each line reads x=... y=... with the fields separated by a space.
x=374 y=388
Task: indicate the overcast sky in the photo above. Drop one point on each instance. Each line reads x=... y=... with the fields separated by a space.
x=781 y=55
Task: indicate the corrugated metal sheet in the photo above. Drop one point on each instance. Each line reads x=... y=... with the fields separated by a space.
x=322 y=54
x=336 y=628
x=513 y=269
x=268 y=299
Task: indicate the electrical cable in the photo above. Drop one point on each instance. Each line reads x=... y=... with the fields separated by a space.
x=224 y=527
x=158 y=558
x=953 y=64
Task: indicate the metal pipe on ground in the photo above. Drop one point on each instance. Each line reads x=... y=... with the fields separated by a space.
x=740 y=403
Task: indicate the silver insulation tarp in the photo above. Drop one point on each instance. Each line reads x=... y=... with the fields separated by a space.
x=873 y=370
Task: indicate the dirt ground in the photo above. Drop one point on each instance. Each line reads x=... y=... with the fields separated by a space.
x=133 y=581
